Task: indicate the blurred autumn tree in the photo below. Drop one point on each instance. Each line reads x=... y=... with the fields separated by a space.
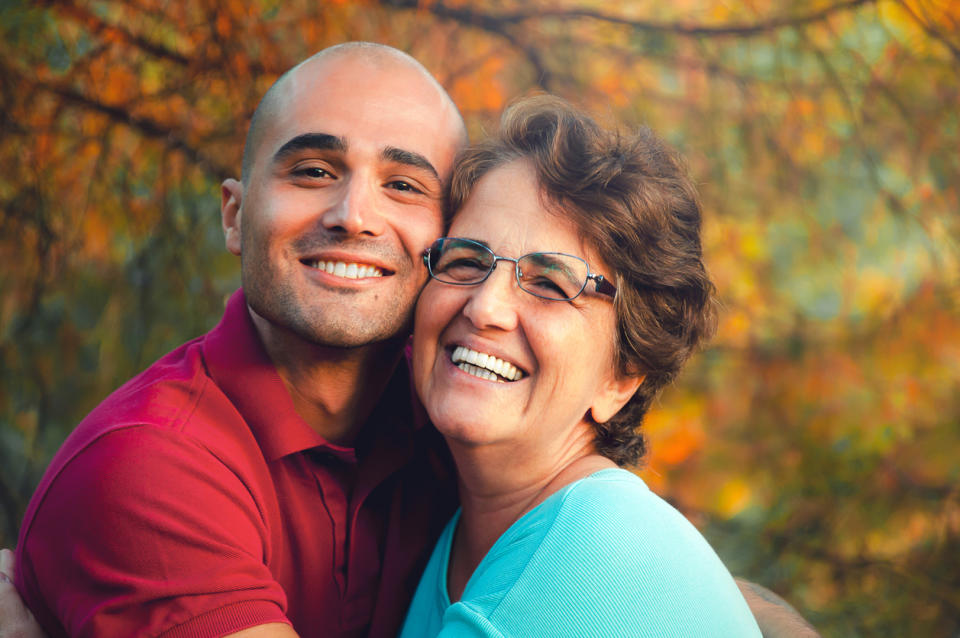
x=816 y=442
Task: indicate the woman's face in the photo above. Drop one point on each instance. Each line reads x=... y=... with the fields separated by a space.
x=563 y=350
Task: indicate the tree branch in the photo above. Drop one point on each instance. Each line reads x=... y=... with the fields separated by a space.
x=490 y=24
x=930 y=30
x=104 y=30
x=496 y=23
x=145 y=126
x=544 y=75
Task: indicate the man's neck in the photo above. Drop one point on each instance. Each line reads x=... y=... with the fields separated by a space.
x=333 y=389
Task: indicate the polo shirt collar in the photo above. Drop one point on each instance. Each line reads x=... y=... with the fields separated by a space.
x=240 y=366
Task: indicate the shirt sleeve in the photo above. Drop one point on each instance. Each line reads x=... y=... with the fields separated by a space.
x=146 y=532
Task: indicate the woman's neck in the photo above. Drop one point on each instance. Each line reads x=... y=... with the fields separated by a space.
x=498 y=486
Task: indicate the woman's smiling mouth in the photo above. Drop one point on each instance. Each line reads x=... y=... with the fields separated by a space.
x=485 y=366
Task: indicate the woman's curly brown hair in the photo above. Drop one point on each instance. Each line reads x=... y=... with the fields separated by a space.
x=632 y=200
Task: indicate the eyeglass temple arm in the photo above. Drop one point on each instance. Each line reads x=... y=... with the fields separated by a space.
x=602 y=285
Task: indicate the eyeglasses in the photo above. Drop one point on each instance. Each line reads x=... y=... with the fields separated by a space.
x=557 y=276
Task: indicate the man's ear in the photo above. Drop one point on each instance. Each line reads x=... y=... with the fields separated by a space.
x=231 y=198
x=612 y=396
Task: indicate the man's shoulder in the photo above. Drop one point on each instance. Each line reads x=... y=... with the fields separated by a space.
x=166 y=434
x=173 y=379
x=175 y=394
x=173 y=410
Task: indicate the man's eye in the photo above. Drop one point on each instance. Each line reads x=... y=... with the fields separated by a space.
x=314 y=172
x=402 y=186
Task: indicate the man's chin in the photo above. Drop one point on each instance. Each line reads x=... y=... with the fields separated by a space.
x=342 y=340
x=337 y=323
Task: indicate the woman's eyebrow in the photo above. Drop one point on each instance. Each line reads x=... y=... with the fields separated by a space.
x=312 y=142
x=401 y=156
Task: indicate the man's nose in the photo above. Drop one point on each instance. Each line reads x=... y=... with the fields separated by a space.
x=356 y=209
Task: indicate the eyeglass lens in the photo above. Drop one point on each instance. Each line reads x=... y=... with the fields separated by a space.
x=548 y=275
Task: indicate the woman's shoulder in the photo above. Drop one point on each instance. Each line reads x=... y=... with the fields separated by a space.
x=609 y=523
x=608 y=550
x=614 y=505
x=613 y=513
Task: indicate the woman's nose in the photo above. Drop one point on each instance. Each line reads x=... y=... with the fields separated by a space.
x=494 y=302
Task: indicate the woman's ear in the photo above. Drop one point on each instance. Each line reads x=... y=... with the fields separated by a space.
x=613 y=395
x=231 y=198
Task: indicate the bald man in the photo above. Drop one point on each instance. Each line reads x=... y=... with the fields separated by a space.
x=273 y=472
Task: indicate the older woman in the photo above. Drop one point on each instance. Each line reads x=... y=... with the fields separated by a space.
x=570 y=291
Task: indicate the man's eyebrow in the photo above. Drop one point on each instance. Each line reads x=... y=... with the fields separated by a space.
x=312 y=142
x=400 y=156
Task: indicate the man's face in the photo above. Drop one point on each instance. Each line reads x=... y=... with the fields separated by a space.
x=344 y=194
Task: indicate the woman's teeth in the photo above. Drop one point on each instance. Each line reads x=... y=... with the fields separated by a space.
x=343 y=269
x=484 y=366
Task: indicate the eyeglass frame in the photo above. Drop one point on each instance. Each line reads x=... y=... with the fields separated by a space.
x=601 y=284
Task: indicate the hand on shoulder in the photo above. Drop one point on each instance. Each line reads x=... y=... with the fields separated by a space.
x=776 y=617
x=16 y=621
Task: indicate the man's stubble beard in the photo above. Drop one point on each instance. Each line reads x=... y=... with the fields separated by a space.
x=329 y=325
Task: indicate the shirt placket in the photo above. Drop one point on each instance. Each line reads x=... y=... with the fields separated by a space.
x=334 y=495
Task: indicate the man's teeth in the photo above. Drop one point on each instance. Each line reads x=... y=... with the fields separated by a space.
x=348 y=271
x=484 y=366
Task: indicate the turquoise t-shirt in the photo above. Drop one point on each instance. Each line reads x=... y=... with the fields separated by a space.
x=603 y=556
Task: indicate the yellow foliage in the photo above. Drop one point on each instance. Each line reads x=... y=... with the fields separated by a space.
x=222 y=25
x=900 y=536
x=483 y=90
x=898 y=16
x=611 y=84
x=734 y=328
x=875 y=292
x=115 y=83
x=733 y=497
x=675 y=434
x=96 y=233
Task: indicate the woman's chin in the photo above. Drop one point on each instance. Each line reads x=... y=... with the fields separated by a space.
x=466 y=430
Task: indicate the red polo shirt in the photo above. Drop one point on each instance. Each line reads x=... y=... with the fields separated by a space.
x=194 y=501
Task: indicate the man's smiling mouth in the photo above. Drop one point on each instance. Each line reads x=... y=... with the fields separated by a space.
x=344 y=269
x=485 y=366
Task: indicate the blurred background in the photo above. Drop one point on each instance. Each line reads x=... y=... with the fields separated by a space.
x=816 y=442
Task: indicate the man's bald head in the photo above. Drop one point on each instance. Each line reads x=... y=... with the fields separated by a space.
x=346 y=164
x=376 y=55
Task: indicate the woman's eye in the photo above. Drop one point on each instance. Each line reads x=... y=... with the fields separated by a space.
x=549 y=286
x=463 y=263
